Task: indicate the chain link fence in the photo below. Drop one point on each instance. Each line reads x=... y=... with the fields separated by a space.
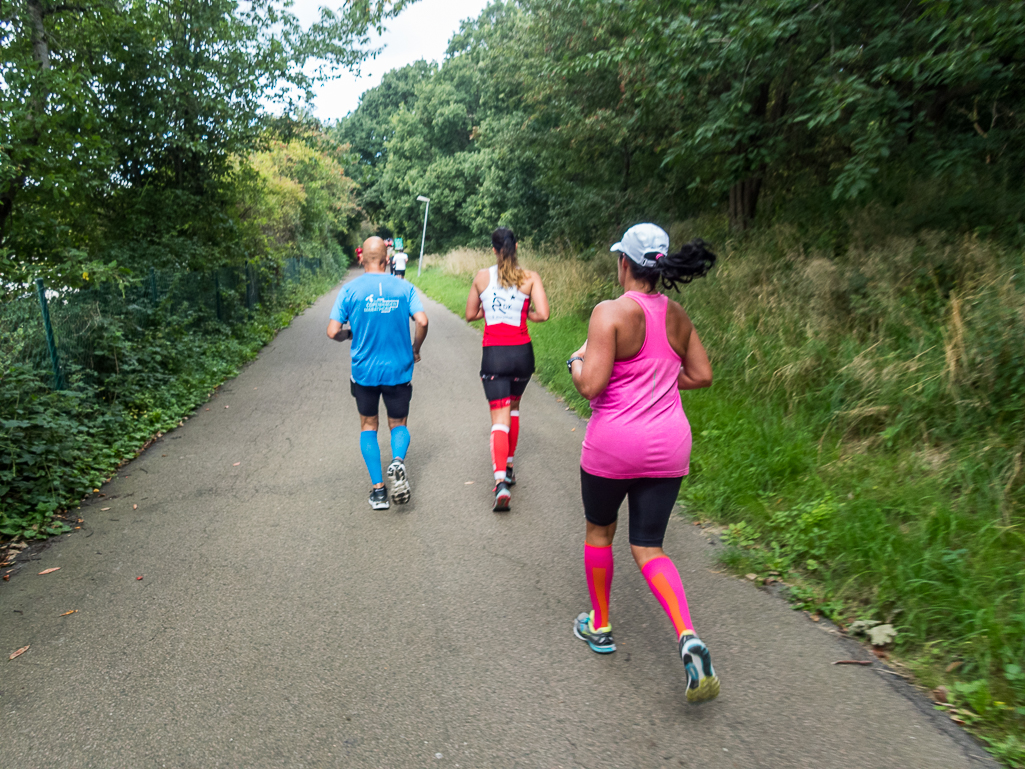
x=67 y=335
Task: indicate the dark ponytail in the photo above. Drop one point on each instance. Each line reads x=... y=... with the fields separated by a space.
x=694 y=260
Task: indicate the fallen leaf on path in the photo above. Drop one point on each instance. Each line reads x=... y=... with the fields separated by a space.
x=751 y=577
x=573 y=430
x=853 y=662
x=104 y=509
x=941 y=694
x=18 y=653
x=206 y=409
x=49 y=571
x=956 y=720
x=468 y=483
x=95 y=490
x=815 y=618
x=7 y=577
x=138 y=578
x=73 y=611
x=135 y=507
x=881 y=653
x=227 y=407
x=236 y=464
x=954 y=666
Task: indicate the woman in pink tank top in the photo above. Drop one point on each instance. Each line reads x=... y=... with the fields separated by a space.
x=641 y=350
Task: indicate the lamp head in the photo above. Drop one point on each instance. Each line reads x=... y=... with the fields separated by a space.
x=422 y=199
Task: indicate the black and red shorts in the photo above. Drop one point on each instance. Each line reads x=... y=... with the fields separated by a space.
x=505 y=371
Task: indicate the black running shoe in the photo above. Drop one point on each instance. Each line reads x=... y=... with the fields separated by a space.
x=502 y=497
x=379 y=499
x=400 y=484
x=510 y=476
x=702 y=682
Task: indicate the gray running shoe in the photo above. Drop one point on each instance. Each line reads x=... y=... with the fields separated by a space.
x=400 y=493
x=379 y=499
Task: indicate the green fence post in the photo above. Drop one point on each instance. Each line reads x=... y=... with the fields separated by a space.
x=58 y=377
x=153 y=284
x=250 y=288
x=217 y=296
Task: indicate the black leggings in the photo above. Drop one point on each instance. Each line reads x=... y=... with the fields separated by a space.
x=651 y=504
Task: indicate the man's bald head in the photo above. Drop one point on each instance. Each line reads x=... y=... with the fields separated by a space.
x=375 y=254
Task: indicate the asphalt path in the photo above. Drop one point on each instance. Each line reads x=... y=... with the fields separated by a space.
x=280 y=622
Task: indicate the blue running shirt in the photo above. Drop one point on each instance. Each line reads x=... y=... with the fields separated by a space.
x=378 y=307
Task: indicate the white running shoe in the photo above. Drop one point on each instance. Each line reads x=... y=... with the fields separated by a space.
x=400 y=493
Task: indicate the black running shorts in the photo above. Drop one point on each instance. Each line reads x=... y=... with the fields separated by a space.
x=651 y=504
x=505 y=371
x=396 y=399
x=400 y=273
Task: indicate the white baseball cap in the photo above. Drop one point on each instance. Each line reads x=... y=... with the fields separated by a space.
x=644 y=243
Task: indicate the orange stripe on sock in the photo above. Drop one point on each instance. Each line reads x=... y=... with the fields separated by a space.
x=603 y=600
x=669 y=597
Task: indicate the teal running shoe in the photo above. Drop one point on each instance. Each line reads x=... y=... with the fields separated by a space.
x=599 y=640
x=702 y=682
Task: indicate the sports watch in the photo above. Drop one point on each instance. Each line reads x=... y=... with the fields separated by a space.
x=569 y=363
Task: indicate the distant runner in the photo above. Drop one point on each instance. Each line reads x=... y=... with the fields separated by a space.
x=641 y=350
x=377 y=307
x=399 y=259
x=502 y=295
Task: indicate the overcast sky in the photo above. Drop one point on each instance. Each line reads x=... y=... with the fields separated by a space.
x=422 y=31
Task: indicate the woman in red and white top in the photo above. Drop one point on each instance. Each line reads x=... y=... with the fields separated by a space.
x=506 y=296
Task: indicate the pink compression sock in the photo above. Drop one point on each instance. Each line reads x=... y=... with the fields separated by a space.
x=598 y=565
x=664 y=581
x=514 y=434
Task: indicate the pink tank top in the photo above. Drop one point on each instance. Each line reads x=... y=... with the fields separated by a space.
x=638 y=428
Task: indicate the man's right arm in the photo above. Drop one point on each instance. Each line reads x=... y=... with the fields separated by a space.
x=338 y=332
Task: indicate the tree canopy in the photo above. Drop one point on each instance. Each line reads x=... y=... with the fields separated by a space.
x=115 y=112
x=568 y=118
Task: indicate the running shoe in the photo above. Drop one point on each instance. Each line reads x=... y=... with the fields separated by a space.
x=702 y=682
x=510 y=476
x=502 y=497
x=379 y=498
x=599 y=640
x=399 y=483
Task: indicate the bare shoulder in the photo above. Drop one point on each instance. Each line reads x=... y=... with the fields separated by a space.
x=482 y=278
x=675 y=310
x=607 y=311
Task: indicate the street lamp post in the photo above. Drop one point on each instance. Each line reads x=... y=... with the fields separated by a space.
x=423 y=237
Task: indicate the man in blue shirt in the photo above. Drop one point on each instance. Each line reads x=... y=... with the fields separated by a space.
x=377 y=307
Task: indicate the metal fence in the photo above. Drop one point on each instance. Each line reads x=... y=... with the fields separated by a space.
x=64 y=333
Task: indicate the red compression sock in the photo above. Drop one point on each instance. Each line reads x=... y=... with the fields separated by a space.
x=514 y=434
x=598 y=565
x=664 y=581
x=499 y=450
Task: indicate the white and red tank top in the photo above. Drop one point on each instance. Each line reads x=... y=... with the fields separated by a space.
x=505 y=313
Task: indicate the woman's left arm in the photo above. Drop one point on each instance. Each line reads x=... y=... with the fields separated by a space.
x=696 y=371
x=591 y=375
x=539 y=311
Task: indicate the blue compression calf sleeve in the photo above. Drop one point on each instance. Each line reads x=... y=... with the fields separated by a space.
x=399 y=442
x=371 y=455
